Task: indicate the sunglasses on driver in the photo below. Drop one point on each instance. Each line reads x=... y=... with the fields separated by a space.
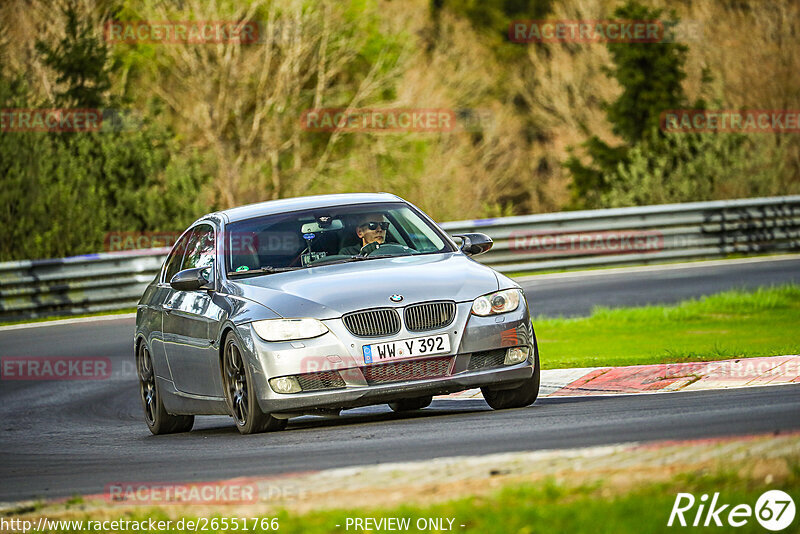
x=373 y=225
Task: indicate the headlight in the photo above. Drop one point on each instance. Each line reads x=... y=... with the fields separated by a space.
x=287 y=329
x=499 y=302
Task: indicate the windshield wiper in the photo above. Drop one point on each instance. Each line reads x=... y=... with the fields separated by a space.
x=334 y=260
x=262 y=270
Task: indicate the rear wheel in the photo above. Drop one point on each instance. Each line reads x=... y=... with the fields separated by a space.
x=523 y=395
x=155 y=415
x=406 y=405
x=241 y=394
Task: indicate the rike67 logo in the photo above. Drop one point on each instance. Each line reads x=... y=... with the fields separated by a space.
x=774 y=510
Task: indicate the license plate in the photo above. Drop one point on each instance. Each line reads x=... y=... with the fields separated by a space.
x=406 y=348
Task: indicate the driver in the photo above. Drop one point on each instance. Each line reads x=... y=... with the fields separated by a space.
x=371 y=229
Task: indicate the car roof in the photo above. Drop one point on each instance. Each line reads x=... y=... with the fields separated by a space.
x=300 y=203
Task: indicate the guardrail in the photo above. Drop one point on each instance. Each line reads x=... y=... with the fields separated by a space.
x=551 y=241
x=647 y=234
x=82 y=284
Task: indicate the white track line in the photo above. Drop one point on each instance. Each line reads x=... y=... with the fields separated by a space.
x=75 y=320
x=665 y=267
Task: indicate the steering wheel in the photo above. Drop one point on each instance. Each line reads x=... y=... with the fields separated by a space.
x=391 y=249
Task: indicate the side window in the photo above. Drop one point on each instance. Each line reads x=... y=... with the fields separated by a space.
x=200 y=250
x=175 y=258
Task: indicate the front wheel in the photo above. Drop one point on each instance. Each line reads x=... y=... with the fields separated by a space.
x=523 y=395
x=155 y=415
x=240 y=393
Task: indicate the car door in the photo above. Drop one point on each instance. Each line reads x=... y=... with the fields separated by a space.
x=163 y=291
x=190 y=322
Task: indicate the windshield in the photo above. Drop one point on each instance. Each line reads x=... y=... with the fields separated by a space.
x=276 y=243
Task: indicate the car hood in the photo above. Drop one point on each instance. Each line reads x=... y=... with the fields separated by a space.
x=329 y=291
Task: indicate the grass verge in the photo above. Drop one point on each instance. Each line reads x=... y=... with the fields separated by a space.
x=553 y=504
x=733 y=324
x=552 y=507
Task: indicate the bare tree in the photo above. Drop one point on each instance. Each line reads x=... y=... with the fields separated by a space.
x=243 y=101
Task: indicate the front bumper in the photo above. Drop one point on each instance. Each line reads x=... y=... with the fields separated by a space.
x=338 y=356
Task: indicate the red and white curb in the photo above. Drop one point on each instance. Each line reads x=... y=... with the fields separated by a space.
x=741 y=372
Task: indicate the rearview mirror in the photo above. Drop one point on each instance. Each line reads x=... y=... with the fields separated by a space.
x=474 y=244
x=191 y=280
x=318 y=227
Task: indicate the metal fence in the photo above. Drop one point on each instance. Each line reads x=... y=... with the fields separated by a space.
x=552 y=241
x=648 y=234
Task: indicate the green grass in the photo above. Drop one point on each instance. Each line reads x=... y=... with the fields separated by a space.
x=551 y=506
x=733 y=324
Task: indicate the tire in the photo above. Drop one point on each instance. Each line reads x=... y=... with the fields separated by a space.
x=407 y=405
x=155 y=415
x=241 y=395
x=523 y=395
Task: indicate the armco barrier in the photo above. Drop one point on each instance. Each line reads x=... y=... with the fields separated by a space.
x=566 y=240
x=82 y=284
x=647 y=234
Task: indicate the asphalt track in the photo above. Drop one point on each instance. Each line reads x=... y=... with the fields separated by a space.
x=59 y=438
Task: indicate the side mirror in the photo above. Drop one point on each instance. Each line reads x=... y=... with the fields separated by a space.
x=474 y=244
x=191 y=280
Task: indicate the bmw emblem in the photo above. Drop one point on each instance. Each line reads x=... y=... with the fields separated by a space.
x=396 y=298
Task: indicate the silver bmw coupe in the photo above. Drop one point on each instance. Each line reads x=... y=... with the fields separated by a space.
x=318 y=304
